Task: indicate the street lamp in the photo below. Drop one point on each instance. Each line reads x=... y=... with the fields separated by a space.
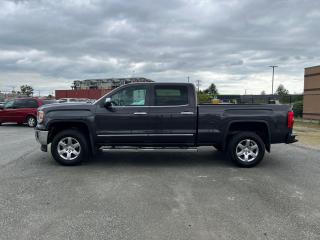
x=273 y=67
x=198 y=85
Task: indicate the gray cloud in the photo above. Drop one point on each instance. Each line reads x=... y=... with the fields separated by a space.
x=50 y=43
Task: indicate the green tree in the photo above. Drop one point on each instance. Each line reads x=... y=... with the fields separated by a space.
x=263 y=92
x=203 y=97
x=212 y=90
x=26 y=90
x=281 y=91
x=298 y=108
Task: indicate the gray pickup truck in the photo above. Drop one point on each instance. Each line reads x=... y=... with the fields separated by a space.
x=161 y=116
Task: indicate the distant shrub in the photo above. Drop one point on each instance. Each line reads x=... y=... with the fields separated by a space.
x=204 y=98
x=298 y=108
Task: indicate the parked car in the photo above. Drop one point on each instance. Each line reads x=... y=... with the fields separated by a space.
x=21 y=110
x=158 y=116
x=48 y=101
x=74 y=100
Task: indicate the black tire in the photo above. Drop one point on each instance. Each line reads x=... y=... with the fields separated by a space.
x=218 y=148
x=77 y=136
x=31 y=121
x=246 y=158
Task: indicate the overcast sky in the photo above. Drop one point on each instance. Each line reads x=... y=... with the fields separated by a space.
x=231 y=43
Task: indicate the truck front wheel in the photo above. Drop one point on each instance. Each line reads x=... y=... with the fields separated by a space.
x=246 y=149
x=69 y=147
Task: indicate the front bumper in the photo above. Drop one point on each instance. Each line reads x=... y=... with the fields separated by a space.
x=42 y=137
x=291 y=138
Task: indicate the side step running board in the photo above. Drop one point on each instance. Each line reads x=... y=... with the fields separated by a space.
x=169 y=149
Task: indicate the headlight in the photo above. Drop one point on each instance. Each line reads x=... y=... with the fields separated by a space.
x=40 y=116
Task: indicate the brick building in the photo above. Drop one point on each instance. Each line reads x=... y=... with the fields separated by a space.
x=95 y=88
x=107 y=83
x=311 y=99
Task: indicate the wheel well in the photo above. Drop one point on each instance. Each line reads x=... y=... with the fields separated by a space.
x=259 y=128
x=60 y=126
x=30 y=115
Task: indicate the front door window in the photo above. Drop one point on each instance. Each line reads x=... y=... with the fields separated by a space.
x=131 y=96
x=8 y=105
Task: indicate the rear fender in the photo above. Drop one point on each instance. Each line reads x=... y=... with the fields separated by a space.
x=230 y=132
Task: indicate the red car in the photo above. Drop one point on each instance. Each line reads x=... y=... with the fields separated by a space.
x=21 y=110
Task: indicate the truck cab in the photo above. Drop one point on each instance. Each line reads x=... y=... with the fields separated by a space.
x=148 y=114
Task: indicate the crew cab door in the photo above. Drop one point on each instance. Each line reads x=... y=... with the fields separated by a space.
x=126 y=122
x=173 y=115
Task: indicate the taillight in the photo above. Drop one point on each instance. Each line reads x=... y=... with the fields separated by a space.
x=290 y=119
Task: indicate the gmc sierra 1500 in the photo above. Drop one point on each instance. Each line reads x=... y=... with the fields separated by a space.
x=161 y=115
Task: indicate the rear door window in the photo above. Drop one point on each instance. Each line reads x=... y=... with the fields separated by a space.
x=25 y=103
x=171 y=95
x=32 y=103
x=20 y=103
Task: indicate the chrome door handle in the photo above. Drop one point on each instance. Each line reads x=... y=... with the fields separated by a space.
x=186 y=113
x=140 y=113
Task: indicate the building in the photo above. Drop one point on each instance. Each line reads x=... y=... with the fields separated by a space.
x=7 y=95
x=108 y=83
x=95 y=88
x=311 y=99
x=2 y=97
x=81 y=93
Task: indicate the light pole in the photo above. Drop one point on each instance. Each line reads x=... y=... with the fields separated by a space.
x=198 y=85
x=273 y=67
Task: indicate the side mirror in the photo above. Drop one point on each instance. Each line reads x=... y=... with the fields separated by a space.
x=108 y=103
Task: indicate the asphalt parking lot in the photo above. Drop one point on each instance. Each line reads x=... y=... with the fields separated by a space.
x=156 y=195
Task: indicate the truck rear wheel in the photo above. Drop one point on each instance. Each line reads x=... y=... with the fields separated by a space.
x=69 y=147
x=246 y=149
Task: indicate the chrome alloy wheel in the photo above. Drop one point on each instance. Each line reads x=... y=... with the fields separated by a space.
x=69 y=148
x=247 y=150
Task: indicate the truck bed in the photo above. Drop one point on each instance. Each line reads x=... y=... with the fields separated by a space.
x=215 y=120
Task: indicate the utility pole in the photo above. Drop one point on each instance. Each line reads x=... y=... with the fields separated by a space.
x=198 y=85
x=188 y=79
x=273 y=67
